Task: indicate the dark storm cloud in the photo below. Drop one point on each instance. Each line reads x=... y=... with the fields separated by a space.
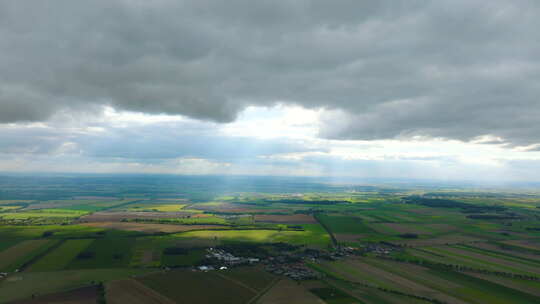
x=454 y=69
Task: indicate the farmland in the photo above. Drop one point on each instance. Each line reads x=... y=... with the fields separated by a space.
x=18 y=255
x=225 y=289
x=84 y=295
x=316 y=243
x=62 y=256
x=132 y=291
x=287 y=290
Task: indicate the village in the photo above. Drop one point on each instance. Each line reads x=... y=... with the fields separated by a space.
x=292 y=264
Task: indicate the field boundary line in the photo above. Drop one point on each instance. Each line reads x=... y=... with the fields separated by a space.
x=265 y=290
x=140 y=285
x=237 y=282
x=41 y=255
x=332 y=237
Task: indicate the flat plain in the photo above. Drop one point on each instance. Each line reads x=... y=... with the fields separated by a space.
x=307 y=243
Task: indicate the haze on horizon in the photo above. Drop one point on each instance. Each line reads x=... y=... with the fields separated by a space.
x=444 y=90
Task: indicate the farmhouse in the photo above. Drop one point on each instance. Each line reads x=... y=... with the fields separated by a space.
x=228 y=258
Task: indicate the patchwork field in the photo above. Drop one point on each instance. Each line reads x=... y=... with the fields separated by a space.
x=446 y=286
x=297 y=243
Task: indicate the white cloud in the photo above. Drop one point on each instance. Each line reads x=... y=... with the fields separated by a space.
x=275 y=122
x=280 y=140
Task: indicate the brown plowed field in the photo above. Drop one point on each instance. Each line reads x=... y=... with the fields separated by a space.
x=287 y=291
x=85 y=295
x=133 y=292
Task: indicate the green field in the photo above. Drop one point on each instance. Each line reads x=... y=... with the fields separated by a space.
x=344 y=224
x=60 y=257
x=195 y=287
x=334 y=296
x=311 y=236
x=21 y=253
x=193 y=257
x=104 y=253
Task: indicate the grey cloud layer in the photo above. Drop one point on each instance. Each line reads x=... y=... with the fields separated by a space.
x=456 y=69
x=155 y=142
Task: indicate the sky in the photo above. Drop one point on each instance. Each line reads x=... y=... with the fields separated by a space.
x=445 y=90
